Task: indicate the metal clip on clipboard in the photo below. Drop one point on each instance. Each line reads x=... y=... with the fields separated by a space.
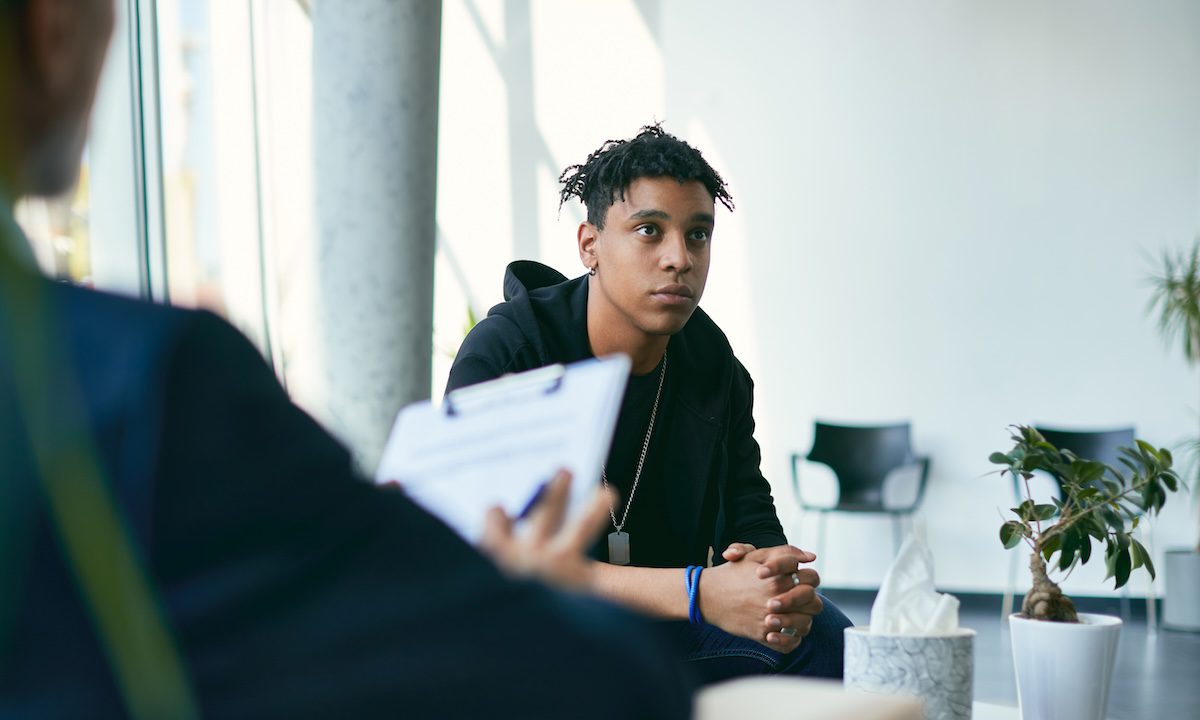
x=542 y=381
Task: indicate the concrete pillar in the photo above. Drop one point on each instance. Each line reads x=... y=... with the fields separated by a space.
x=375 y=119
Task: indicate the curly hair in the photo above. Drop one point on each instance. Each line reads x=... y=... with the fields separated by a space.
x=609 y=171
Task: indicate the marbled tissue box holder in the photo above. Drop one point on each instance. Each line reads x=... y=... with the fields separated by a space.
x=938 y=669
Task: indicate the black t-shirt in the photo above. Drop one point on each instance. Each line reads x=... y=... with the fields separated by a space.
x=651 y=542
x=701 y=484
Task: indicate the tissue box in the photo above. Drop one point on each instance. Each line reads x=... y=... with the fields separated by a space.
x=937 y=669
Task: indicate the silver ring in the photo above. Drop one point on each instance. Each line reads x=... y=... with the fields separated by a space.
x=789 y=631
x=795 y=579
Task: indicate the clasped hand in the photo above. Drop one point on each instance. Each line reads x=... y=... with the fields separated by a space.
x=755 y=594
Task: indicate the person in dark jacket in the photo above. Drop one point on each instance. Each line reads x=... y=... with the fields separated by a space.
x=684 y=461
x=179 y=540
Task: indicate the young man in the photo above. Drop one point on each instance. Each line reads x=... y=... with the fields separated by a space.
x=178 y=540
x=684 y=461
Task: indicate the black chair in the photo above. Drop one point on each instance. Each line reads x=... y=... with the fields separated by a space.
x=1099 y=445
x=1102 y=445
x=862 y=458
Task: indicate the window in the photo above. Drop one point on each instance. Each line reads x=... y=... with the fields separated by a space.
x=202 y=133
x=94 y=235
x=234 y=94
x=209 y=160
x=58 y=231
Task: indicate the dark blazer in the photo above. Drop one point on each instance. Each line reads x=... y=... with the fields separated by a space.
x=709 y=438
x=293 y=588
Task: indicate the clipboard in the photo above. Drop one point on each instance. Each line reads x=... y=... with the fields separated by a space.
x=497 y=443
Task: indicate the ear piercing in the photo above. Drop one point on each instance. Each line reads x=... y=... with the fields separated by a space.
x=592 y=270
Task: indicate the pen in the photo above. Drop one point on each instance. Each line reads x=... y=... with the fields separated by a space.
x=533 y=501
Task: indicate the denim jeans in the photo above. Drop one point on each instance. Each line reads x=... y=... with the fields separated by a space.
x=713 y=655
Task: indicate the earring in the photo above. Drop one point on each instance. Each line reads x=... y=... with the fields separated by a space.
x=592 y=270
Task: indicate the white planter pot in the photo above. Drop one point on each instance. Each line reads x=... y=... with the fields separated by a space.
x=1181 y=606
x=1064 y=669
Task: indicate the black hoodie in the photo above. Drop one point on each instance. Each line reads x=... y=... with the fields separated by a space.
x=705 y=457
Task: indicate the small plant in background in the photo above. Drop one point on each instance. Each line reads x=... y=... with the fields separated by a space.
x=1100 y=504
x=1176 y=302
x=469 y=323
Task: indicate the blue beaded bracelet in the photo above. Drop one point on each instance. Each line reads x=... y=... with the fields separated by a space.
x=693 y=592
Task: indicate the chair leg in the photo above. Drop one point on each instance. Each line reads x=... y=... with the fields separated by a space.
x=1006 y=606
x=1151 y=594
x=1151 y=606
x=896 y=533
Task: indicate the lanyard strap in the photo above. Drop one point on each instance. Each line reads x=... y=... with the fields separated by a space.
x=94 y=538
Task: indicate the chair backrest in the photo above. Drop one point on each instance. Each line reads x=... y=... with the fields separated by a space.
x=861 y=457
x=1099 y=445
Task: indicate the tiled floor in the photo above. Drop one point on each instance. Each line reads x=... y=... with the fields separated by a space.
x=1157 y=673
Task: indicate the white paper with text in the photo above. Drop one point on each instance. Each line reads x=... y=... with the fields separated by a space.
x=497 y=442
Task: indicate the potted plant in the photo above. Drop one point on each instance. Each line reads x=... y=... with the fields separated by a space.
x=1176 y=301
x=1100 y=504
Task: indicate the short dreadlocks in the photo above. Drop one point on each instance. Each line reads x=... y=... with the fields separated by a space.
x=609 y=171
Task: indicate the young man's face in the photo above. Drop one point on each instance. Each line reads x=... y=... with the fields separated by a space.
x=652 y=255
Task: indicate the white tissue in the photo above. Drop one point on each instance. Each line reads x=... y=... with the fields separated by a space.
x=907 y=603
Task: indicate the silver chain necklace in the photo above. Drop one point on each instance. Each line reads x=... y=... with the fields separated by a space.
x=618 y=542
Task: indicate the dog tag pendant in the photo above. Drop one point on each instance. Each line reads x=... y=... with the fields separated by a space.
x=618 y=548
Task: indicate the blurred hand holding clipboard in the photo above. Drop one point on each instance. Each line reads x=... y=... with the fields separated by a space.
x=497 y=443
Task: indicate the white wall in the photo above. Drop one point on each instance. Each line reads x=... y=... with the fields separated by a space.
x=945 y=212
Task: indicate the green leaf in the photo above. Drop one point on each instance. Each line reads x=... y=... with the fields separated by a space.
x=1118 y=559
x=1158 y=496
x=1011 y=533
x=1139 y=552
x=1050 y=546
x=1000 y=458
x=1045 y=512
x=1089 y=471
x=1112 y=518
x=1085 y=549
x=1070 y=544
x=1136 y=553
x=1145 y=498
x=1123 y=567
